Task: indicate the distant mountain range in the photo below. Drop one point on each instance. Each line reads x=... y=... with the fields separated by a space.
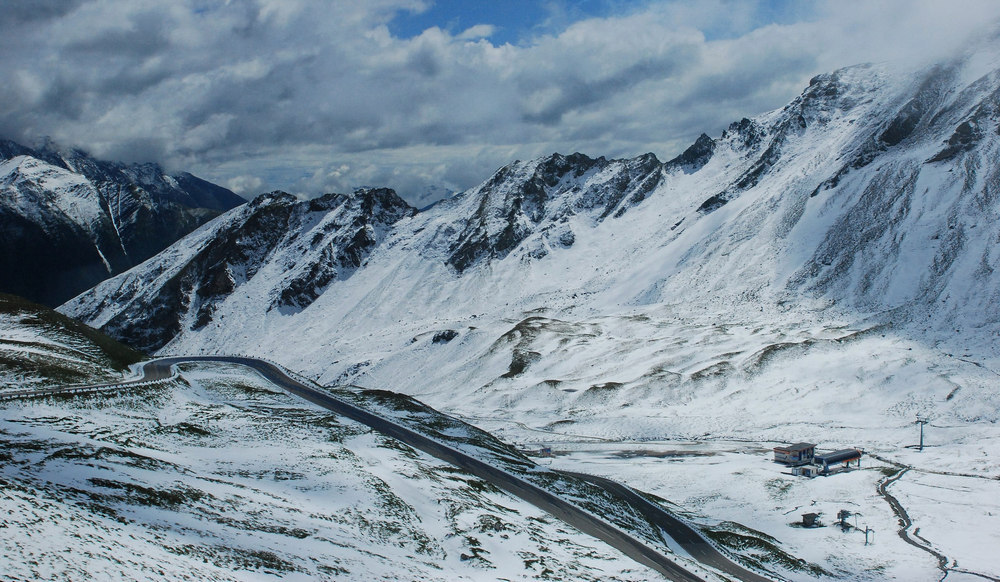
x=69 y=221
x=568 y=285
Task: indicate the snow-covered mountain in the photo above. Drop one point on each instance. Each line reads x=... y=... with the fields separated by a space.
x=309 y=246
x=866 y=206
x=69 y=221
x=823 y=272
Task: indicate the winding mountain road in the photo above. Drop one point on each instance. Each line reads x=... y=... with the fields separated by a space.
x=692 y=541
x=688 y=538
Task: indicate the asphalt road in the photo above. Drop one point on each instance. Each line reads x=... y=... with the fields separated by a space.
x=686 y=536
x=152 y=371
x=569 y=513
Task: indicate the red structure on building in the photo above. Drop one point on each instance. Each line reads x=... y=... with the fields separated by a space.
x=803 y=460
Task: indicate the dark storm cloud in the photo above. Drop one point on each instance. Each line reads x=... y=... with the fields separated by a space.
x=143 y=37
x=319 y=96
x=22 y=12
x=573 y=92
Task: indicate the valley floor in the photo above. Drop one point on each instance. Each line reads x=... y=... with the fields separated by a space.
x=224 y=477
x=954 y=505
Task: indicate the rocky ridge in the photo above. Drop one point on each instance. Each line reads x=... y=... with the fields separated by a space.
x=308 y=244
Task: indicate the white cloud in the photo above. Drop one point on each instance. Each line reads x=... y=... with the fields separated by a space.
x=318 y=96
x=245 y=185
x=477 y=32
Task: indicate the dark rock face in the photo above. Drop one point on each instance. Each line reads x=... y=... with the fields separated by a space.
x=51 y=260
x=443 y=337
x=346 y=246
x=695 y=157
x=932 y=91
x=964 y=139
x=713 y=203
x=49 y=255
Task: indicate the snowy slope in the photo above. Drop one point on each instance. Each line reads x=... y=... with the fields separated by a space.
x=824 y=272
x=868 y=200
x=308 y=246
x=220 y=477
x=68 y=221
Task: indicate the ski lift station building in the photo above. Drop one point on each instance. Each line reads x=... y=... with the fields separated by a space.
x=837 y=461
x=804 y=461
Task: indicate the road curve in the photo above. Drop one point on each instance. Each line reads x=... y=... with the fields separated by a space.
x=527 y=491
x=151 y=371
x=163 y=368
x=686 y=536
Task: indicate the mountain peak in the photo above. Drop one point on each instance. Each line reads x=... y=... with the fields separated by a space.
x=695 y=156
x=275 y=197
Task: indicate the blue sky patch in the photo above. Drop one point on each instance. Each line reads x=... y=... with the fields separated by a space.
x=514 y=20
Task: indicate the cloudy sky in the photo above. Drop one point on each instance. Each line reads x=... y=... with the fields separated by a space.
x=314 y=96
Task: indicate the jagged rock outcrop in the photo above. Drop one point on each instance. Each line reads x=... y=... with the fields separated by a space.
x=533 y=200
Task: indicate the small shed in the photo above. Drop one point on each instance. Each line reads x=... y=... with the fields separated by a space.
x=809 y=520
x=841 y=460
x=806 y=471
x=795 y=455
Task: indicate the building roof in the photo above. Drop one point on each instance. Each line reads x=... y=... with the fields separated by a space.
x=796 y=447
x=838 y=456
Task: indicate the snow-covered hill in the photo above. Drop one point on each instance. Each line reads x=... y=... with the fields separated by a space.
x=40 y=347
x=68 y=221
x=223 y=477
